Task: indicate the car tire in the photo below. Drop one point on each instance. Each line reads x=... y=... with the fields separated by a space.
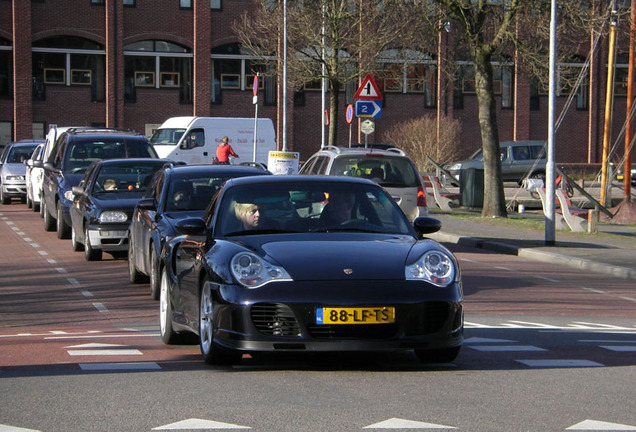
x=41 y=208
x=168 y=335
x=446 y=355
x=35 y=207
x=212 y=353
x=49 y=221
x=134 y=275
x=63 y=229
x=155 y=275
x=76 y=245
x=89 y=253
x=29 y=202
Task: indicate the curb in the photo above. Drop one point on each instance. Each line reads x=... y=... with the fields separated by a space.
x=537 y=255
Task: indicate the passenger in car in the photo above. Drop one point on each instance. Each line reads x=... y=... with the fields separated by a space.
x=250 y=215
x=110 y=184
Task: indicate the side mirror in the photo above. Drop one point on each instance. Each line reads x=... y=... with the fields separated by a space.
x=49 y=167
x=38 y=164
x=191 y=226
x=147 y=204
x=426 y=225
x=78 y=191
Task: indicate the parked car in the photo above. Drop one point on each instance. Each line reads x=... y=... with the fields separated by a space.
x=73 y=153
x=33 y=179
x=13 y=169
x=390 y=168
x=165 y=203
x=620 y=174
x=103 y=204
x=519 y=160
x=298 y=280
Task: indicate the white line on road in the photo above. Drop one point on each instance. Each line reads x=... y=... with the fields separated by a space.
x=100 y=307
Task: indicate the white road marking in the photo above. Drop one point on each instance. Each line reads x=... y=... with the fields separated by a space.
x=556 y=363
x=105 y=336
x=7 y=428
x=60 y=270
x=72 y=281
x=43 y=253
x=545 y=278
x=396 y=423
x=94 y=345
x=104 y=352
x=628 y=298
x=86 y=294
x=597 y=291
x=506 y=348
x=51 y=261
x=119 y=366
x=528 y=324
x=194 y=423
x=505 y=268
x=475 y=340
x=596 y=425
x=617 y=348
x=100 y=307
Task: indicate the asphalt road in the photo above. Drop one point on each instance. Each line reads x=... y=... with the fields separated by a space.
x=547 y=349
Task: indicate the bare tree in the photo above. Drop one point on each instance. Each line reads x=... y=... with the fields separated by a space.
x=342 y=37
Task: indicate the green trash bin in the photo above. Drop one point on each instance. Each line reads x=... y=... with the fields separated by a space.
x=471 y=186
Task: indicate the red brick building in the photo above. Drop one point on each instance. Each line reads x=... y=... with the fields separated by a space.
x=134 y=63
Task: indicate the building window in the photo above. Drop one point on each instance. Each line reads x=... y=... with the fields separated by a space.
x=68 y=61
x=502 y=84
x=97 y=2
x=573 y=80
x=408 y=71
x=215 y=4
x=185 y=4
x=232 y=70
x=6 y=70
x=160 y=65
x=130 y=3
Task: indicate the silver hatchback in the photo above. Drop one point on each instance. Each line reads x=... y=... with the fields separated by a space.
x=390 y=168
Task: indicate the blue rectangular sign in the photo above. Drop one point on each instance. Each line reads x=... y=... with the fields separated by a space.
x=368 y=108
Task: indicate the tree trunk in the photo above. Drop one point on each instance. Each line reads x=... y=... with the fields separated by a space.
x=333 y=112
x=494 y=197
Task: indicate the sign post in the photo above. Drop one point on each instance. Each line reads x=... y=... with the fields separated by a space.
x=349 y=117
x=255 y=102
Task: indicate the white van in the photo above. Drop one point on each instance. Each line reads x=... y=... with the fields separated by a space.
x=193 y=140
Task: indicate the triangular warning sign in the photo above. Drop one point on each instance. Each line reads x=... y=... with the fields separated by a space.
x=368 y=90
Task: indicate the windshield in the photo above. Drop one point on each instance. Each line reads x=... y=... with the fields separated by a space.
x=167 y=136
x=81 y=153
x=126 y=178
x=192 y=193
x=303 y=207
x=385 y=170
x=20 y=154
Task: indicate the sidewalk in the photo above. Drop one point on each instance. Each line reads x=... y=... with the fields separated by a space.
x=611 y=251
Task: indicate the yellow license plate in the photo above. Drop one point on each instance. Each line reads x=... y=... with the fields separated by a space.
x=357 y=315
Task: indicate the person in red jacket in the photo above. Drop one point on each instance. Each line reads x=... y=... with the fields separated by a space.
x=224 y=151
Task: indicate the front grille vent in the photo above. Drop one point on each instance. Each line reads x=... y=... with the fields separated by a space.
x=275 y=319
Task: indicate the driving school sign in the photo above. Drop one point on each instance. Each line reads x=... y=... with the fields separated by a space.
x=285 y=163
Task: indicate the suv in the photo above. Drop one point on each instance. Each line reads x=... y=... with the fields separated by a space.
x=13 y=169
x=73 y=152
x=519 y=160
x=390 y=168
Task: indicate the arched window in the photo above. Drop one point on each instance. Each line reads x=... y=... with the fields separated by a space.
x=68 y=61
x=158 y=64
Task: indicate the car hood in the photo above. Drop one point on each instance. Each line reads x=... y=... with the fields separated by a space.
x=13 y=169
x=329 y=258
x=124 y=201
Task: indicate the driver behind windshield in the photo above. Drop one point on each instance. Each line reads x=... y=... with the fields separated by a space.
x=339 y=208
x=250 y=215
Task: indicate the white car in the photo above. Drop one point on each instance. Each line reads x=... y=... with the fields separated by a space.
x=34 y=176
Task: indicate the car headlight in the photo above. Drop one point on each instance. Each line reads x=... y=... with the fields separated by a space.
x=69 y=195
x=434 y=266
x=15 y=178
x=113 y=217
x=252 y=271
